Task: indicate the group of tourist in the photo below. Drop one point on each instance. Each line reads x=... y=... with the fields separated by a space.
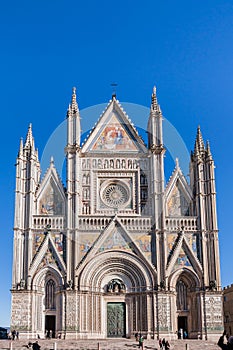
x=164 y=344
x=33 y=346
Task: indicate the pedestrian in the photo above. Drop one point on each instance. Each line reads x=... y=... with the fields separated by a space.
x=17 y=335
x=141 y=340
x=222 y=345
x=136 y=336
x=160 y=343
x=167 y=345
x=13 y=334
x=35 y=346
x=163 y=343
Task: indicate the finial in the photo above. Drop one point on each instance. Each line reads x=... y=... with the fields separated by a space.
x=73 y=108
x=51 y=160
x=177 y=163
x=113 y=85
x=154 y=102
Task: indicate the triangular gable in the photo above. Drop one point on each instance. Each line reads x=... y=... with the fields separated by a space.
x=47 y=255
x=50 y=195
x=182 y=255
x=116 y=237
x=178 y=194
x=114 y=132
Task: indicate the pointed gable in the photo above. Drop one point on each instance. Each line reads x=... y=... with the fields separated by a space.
x=182 y=254
x=178 y=194
x=51 y=196
x=115 y=237
x=47 y=255
x=114 y=132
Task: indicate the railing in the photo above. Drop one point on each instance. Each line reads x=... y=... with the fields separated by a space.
x=95 y=223
x=55 y=222
x=187 y=223
x=137 y=224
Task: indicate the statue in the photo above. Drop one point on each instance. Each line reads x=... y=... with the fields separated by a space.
x=69 y=284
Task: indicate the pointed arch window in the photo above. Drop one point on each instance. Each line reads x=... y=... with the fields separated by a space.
x=50 y=295
x=181 y=297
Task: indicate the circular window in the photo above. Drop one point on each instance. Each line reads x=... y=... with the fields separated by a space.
x=115 y=195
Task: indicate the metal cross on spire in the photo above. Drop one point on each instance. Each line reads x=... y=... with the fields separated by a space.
x=113 y=85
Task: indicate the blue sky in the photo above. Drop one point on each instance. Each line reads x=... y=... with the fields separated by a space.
x=185 y=48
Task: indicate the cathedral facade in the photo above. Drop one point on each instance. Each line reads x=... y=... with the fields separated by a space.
x=117 y=251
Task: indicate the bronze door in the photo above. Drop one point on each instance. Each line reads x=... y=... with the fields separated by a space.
x=116 y=320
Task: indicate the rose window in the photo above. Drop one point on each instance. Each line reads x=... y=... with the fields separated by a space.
x=115 y=195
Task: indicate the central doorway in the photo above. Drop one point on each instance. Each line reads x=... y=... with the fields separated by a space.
x=116 y=320
x=50 y=329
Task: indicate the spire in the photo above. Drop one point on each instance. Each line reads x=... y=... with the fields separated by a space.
x=29 y=138
x=154 y=102
x=154 y=126
x=199 y=147
x=73 y=106
x=208 y=151
x=20 y=147
x=73 y=121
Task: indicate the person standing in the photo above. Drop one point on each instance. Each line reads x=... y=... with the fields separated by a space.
x=222 y=345
x=36 y=346
x=141 y=340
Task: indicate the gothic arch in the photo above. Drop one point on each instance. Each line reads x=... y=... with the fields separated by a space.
x=136 y=275
x=47 y=299
x=41 y=277
x=191 y=278
x=186 y=287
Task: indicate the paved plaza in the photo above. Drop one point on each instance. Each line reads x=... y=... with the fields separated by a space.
x=110 y=344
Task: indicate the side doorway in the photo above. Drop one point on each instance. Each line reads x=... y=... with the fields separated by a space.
x=182 y=326
x=50 y=326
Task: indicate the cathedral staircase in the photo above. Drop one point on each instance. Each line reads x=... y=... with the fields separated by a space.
x=110 y=344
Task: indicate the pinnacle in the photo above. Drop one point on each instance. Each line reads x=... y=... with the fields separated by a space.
x=154 y=102
x=29 y=138
x=73 y=106
x=21 y=147
x=199 y=143
x=208 y=151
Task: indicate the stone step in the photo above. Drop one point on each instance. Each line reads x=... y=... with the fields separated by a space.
x=110 y=344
